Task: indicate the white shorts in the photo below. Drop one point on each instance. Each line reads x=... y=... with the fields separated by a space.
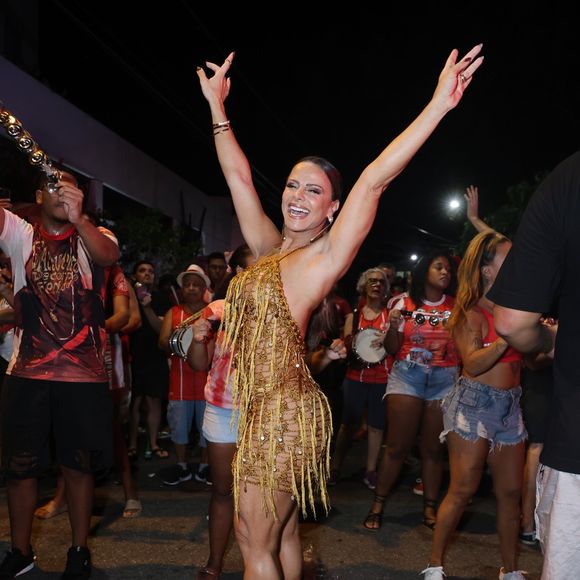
x=217 y=426
x=558 y=522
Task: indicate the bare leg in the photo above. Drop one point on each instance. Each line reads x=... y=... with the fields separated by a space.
x=22 y=496
x=466 y=462
x=507 y=470
x=375 y=439
x=135 y=417
x=79 y=494
x=343 y=441
x=181 y=452
x=431 y=458
x=529 y=487
x=259 y=535
x=404 y=416
x=153 y=418
x=122 y=462
x=291 y=556
x=57 y=504
x=221 y=506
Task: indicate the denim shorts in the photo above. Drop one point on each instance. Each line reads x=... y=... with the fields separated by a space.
x=216 y=424
x=180 y=416
x=423 y=382
x=474 y=410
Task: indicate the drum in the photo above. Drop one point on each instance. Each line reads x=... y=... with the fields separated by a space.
x=363 y=349
x=180 y=340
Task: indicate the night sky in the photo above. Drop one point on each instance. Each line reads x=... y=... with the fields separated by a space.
x=340 y=84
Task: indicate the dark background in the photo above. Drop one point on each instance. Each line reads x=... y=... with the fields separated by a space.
x=337 y=83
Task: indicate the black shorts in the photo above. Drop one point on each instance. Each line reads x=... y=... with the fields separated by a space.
x=79 y=415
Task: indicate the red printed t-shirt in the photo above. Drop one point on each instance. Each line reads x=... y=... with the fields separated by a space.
x=423 y=343
x=185 y=384
x=375 y=373
x=59 y=305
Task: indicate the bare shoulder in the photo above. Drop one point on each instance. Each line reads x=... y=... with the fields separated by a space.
x=307 y=275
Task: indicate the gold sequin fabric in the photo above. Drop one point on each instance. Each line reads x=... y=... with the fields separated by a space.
x=284 y=423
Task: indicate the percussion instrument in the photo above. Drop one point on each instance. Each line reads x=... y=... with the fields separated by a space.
x=363 y=349
x=26 y=144
x=182 y=335
x=420 y=316
x=180 y=341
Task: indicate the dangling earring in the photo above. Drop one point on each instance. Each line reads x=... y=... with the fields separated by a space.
x=330 y=219
x=284 y=233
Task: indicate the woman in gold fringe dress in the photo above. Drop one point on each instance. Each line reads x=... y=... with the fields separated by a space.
x=282 y=460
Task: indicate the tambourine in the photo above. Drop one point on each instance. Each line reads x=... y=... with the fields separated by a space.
x=420 y=316
x=180 y=341
x=363 y=348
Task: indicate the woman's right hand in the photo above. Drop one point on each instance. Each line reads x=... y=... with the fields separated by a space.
x=217 y=87
x=395 y=318
x=201 y=330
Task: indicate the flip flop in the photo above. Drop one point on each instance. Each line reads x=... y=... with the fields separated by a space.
x=133 y=508
x=50 y=510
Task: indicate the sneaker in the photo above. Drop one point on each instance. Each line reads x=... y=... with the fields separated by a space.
x=515 y=575
x=528 y=538
x=78 y=564
x=418 y=487
x=203 y=475
x=177 y=475
x=433 y=573
x=16 y=563
x=370 y=479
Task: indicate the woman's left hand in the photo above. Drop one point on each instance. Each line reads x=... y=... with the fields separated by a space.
x=216 y=87
x=456 y=77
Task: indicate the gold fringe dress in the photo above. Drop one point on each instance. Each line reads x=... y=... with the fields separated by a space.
x=284 y=422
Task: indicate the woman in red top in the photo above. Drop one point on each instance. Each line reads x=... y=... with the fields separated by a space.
x=366 y=379
x=482 y=416
x=423 y=374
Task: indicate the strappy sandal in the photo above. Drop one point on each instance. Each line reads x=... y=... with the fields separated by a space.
x=207 y=572
x=374 y=520
x=429 y=522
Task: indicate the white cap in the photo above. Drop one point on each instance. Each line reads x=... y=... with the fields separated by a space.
x=193 y=269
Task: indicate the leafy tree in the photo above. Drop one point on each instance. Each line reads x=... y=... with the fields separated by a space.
x=152 y=236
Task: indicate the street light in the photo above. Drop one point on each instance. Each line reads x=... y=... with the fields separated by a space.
x=454 y=204
x=414 y=257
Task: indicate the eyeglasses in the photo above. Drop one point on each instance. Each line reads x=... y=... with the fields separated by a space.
x=375 y=281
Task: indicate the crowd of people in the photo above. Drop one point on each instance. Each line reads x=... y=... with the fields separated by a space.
x=276 y=372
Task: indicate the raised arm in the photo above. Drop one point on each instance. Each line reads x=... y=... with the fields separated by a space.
x=258 y=230
x=102 y=250
x=358 y=214
x=472 y=207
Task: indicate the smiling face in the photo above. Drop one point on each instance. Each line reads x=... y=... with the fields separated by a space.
x=307 y=202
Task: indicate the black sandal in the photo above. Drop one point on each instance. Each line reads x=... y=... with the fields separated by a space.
x=429 y=522
x=374 y=520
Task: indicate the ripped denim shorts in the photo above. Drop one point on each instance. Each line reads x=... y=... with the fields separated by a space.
x=474 y=410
